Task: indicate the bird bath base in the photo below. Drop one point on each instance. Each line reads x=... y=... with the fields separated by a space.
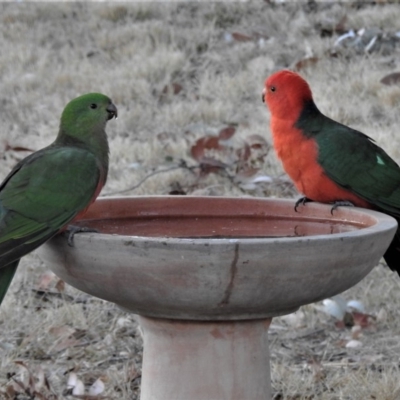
x=205 y=360
x=207 y=274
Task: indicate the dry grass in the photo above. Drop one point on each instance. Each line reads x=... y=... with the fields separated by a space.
x=51 y=53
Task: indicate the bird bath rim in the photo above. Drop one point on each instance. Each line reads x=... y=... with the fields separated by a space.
x=314 y=211
x=218 y=278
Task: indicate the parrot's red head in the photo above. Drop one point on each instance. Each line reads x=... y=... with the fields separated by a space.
x=285 y=93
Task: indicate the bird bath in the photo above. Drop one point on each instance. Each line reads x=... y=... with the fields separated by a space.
x=207 y=274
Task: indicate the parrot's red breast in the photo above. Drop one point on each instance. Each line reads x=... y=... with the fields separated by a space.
x=299 y=153
x=96 y=193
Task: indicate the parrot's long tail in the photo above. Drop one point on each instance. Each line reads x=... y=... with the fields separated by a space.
x=6 y=276
x=392 y=255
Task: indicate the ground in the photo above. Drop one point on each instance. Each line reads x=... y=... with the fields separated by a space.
x=178 y=72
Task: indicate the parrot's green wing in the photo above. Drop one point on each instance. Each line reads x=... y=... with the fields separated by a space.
x=44 y=193
x=6 y=275
x=41 y=195
x=353 y=161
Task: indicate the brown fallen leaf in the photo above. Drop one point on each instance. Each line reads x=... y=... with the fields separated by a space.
x=46 y=295
x=10 y=392
x=244 y=152
x=363 y=320
x=256 y=141
x=226 y=133
x=240 y=37
x=8 y=147
x=306 y=63
x=340 y=27
x=391 y=79
x=211 y=165
x=204 y=143
x=174 y=88
x=60 y=286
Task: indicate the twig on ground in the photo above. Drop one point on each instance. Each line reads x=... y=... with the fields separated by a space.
x=182 y=164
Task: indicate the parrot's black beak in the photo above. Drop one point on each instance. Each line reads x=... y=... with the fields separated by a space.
x=112 y=111
x=263 y=97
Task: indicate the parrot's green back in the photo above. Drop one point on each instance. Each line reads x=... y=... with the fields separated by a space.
x=46 y=190
x=353 y=161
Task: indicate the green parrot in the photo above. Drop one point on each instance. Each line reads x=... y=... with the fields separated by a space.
x=51 y=187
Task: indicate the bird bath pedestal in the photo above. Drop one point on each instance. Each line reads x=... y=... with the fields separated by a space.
x=206 y=275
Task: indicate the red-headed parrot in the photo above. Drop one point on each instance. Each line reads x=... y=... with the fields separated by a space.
x=48 y=189
x=327 y=161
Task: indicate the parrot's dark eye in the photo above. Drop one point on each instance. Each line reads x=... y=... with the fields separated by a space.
x=272 y=88
x=93 y=105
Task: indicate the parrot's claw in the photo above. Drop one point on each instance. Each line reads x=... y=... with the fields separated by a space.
x=341 y=203
x=302 y=201
x=72 y=230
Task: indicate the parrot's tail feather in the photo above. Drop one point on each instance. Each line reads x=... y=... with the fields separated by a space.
x=392 y=255
x=6 y=276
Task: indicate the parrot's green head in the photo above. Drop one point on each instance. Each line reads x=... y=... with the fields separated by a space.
x=86 y=116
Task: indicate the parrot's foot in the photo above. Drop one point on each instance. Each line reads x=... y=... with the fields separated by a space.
x=340 y=203
x=302 y=201
x=72 y=230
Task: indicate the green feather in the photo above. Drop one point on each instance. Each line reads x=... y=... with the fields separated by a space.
x=353 y=161
x=46 y=190
x=6 y=276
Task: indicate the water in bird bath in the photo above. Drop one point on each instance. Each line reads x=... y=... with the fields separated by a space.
x=220 y=227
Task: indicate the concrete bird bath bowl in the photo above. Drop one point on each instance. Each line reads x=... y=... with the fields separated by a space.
x=206 y=275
